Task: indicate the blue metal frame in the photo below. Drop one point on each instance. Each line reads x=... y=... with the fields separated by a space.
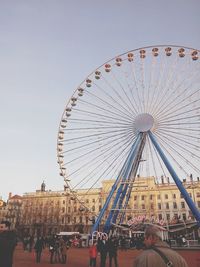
x=178 y=182
x=122 y=176
x=126 y=177
x=128 y=174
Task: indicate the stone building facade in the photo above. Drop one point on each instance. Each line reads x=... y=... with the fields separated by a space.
x=49 y=212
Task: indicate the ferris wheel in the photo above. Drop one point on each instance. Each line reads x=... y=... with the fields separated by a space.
x=138 y=114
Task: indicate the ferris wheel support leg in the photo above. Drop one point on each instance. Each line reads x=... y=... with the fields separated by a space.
x=128 y=175
x=178 y=182
x=114 y=187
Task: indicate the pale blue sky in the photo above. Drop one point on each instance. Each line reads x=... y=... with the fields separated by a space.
x=47 y=48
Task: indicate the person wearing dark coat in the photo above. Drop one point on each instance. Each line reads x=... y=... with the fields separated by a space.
x=112 y=251
x=8 y=242
x=102 y=247
x=39 y=245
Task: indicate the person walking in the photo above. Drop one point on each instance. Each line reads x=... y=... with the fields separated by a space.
x=8 y=242
x=112 y=251
x=39 y=245
x=52 y=249
x=93 y=254
x=63 y=250
x=102 y=247
x=157 y=252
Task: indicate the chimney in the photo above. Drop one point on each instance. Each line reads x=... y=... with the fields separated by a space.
x=162 y=179
x=10 y=195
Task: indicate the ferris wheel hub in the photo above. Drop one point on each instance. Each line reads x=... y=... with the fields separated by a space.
x=144 y=122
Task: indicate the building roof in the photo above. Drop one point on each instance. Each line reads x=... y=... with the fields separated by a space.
x=16 y=197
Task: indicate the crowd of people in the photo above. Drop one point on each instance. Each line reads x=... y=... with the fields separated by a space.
x=105 y=247
x=57 y=246
x=155 y=251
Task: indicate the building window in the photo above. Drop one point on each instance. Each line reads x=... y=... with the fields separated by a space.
x=184 y=216
x=87 y=200
x=135 y=197
x=160 y=216
x=152 y=206
x=68 y=218
x=63 y=201
x=174 y=195
x=198 y=194
x=93 y=208
x=80 y=219
x=159 y=206
x=158 y=196
x=151 y=197
x=183 y=205
x=100 y=208
x=168 y=217
x=63 y=210
x=69 y=210
x=198 y=204
x=142 y=197
x=166 y=196
x=135 y=206
x=175 y=205
x=93 y=200
x=167 y=206
x=143 y=206
x=86 y=220
x=75 y=209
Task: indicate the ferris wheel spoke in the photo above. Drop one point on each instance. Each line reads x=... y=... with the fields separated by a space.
x=98 y=134
x=182 y=141
x=89 y=164
x=169 y=90
x=88 y=152
x=158 y=81
x=115 y=105
x=181 y=129
x=136 y=87
x=183 y=149
x=90 y=137
x=94 y=122
x=151 y=79
x=155 y=159
x=120 y=100
x=172 y=110
x=171 y=104
x=126 y=101
x=176 y=117
x=195 y=138
x=99 y=115
x=159 y=98
x=173 y=158
x=96 y=141
x=113 y=162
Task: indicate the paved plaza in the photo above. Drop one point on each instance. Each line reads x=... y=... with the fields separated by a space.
x=78 y=257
